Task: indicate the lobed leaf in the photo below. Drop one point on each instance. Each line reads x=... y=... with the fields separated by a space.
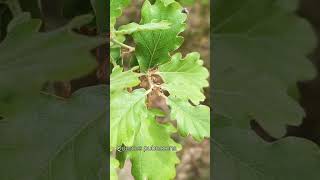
x=185 y=78
x=126 y=113
x=167 y=2
x=40 y=57
x=261 y=49
x=153 y=48
x=120 y=80
x=151 y=164
x=193 y=120
x=116 y=7
x=241 y=155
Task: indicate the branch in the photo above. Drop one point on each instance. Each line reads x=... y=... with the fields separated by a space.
x=152 y=85
x=130 y=48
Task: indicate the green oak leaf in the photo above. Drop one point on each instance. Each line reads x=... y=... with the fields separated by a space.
x=116 y=7
x=114 y=164
x=185 y=77
x=167 y=2
x=120 y=80
x=257 y=103
x=241 y=155
x=134 y=27
x=153 y=48
x=40 y=57
x=260 y=49
x=154 y=165
x=56 y=139
x=193 y=120
x=126 y=113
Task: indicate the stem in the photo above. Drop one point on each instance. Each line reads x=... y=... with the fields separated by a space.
x=152 y=86
x=148 y=91
x=131 y=49
x=113 y=61
x=135 y=68
x=150 y=82
x=129 y=62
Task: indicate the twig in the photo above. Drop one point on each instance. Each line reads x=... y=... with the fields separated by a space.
x=153 y=85
x=130 y=48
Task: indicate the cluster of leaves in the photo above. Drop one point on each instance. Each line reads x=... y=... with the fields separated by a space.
x=43 y=136
x=178 y=80
x=260 y=50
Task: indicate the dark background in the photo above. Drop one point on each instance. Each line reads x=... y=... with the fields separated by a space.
x=310 y=90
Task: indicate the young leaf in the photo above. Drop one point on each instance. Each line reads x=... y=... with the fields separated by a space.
x=193 y=120
x=120 y=80
x=134 y=27
x=153 y=48
x=116 y=7
x=185 y=78
x=167 y=2
x=126 y=113
x=151 y=164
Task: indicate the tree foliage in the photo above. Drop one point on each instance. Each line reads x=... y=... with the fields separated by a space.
x=160 y=72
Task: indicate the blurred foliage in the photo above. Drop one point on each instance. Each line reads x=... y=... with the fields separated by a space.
x=43 y=43
x=260 y=51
